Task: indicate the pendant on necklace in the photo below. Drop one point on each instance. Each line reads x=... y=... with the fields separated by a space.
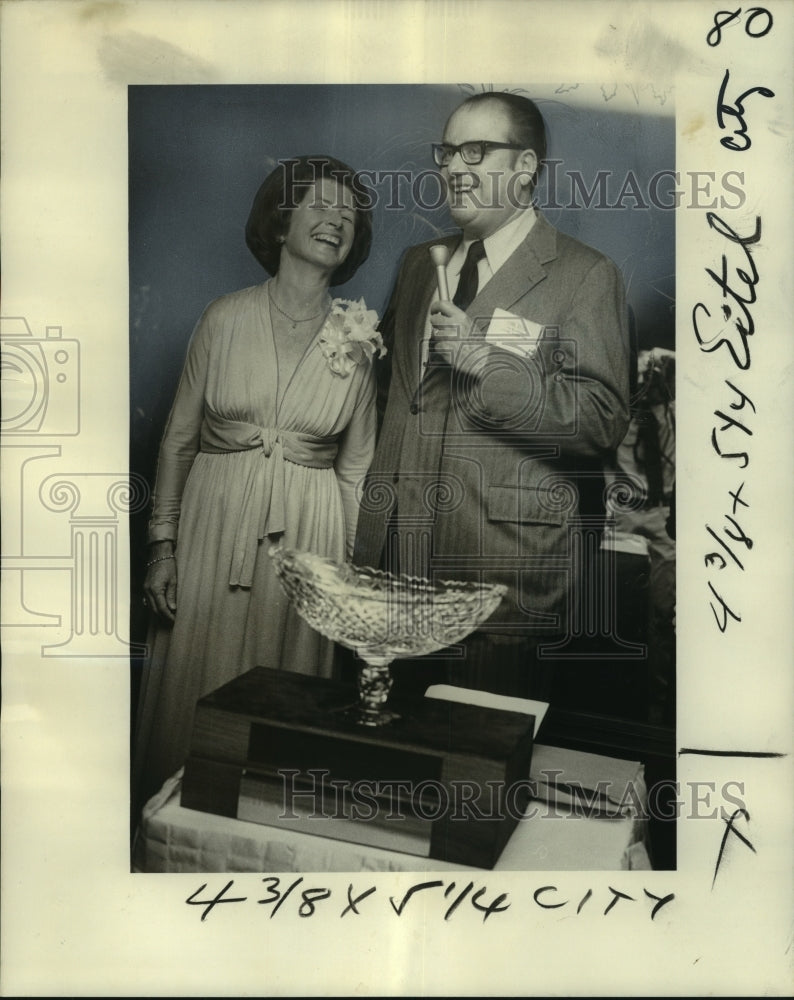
x=290 y=319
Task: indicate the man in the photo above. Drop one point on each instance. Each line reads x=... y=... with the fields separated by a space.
x=499 y=406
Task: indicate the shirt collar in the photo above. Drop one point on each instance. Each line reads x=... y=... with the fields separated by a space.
x=499 y=245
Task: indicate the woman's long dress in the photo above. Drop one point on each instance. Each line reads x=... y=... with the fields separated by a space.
x=245 y=461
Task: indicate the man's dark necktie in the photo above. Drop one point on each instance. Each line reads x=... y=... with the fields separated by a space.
x=467 y=286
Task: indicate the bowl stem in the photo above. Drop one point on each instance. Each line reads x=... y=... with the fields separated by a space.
x=374 y=684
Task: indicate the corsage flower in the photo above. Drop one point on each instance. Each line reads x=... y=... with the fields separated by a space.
x=350 y=336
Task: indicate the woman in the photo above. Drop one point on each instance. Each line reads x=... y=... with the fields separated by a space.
x=271 y=430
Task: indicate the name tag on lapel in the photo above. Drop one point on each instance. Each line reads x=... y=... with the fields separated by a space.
x=513 y=333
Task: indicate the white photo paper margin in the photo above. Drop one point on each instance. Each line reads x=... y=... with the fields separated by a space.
x=75 y=921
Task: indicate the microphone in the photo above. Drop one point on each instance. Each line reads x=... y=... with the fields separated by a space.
x=440 y=256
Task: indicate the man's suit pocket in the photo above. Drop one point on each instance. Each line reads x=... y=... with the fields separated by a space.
x=524 y=505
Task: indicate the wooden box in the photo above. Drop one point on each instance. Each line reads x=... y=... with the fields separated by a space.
x=446 y=780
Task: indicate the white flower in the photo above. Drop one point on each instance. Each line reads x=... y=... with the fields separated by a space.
x=350 y=336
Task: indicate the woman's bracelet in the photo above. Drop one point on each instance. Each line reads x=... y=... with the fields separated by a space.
x=159 y=559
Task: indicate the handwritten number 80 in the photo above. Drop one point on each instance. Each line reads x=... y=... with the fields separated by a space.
x=725 y=17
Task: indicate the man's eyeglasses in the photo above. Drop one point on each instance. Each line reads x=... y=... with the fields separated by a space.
x=470 y=152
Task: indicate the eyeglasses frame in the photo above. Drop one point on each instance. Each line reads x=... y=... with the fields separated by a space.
x=485 y=144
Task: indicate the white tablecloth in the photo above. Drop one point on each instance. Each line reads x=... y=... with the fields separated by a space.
x=556 y=836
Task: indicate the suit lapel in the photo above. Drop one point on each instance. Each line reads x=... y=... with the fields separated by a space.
x=523 y=269
x=519 y=273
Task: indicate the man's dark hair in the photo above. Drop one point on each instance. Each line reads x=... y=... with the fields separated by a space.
x=281 y=193
x=527 y=127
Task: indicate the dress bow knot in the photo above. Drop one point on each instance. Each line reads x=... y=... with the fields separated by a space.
x=263 y=511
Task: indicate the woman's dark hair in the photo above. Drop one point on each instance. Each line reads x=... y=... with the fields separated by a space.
x=283 y=190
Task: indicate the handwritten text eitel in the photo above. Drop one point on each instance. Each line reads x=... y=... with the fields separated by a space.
x=727 y=323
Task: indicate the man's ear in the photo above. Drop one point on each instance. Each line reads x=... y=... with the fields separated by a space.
x=527 y=163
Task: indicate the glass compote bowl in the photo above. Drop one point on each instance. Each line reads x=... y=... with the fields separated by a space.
x=382 y=617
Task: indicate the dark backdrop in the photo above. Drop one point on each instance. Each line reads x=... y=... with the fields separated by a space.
x=197 y=155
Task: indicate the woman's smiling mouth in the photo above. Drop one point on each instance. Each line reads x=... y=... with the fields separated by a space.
x=330 y=239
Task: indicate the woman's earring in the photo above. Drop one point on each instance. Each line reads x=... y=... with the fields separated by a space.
x=280 y=239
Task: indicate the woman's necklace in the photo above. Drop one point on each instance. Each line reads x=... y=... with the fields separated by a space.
x=293 y=321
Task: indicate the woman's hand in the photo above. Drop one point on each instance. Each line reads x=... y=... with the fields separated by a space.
x=160 y=583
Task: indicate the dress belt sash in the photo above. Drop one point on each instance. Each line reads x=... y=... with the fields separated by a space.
x=263 y=510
